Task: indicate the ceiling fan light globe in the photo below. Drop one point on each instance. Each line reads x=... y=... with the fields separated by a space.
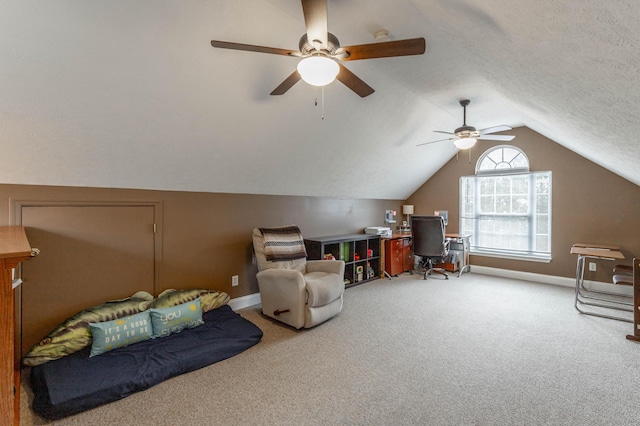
x=465 y=143
x=318 y=70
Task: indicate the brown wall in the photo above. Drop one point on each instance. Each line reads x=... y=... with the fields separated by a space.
x=207 y=237
x=590 y=204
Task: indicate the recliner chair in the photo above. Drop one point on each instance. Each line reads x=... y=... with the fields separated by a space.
x=297 y=291
x=429 y=242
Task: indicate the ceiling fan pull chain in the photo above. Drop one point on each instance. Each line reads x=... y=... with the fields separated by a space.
x=323 y=102
x=316 y=102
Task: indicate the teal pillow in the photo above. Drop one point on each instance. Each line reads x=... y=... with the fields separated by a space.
x=176 y=318
x=120 y=332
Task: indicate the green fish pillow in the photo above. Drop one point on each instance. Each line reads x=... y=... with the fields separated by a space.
x=74 y=333
x=209 y=299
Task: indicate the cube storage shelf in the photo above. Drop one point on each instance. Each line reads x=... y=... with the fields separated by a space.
x=360 y=252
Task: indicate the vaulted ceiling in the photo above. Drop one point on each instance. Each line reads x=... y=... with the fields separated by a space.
x=130 y=93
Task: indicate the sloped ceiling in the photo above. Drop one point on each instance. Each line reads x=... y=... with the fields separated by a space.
x=130 y=93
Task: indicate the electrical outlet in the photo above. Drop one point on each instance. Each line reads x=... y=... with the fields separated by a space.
x=234 y=281
x=592 y=266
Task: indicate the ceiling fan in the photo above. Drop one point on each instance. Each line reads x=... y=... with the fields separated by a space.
x=465 y=137
x=319 y=48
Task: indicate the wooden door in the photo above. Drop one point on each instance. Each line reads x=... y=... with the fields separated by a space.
x=88 y=254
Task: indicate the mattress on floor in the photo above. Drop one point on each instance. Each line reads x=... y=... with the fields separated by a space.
x=77 y=383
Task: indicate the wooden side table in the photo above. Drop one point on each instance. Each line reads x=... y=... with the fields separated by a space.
x=14 y=248
x=587 y=297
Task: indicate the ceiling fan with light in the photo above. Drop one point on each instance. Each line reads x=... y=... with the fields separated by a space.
x=322 y=54
x=464 y=137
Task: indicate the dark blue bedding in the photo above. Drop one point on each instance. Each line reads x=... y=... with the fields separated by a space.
x=77 y=383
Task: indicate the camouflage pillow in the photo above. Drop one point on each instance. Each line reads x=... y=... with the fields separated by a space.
x=209 y=299
x=74 y=333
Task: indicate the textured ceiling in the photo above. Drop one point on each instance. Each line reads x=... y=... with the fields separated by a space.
x=130 y=93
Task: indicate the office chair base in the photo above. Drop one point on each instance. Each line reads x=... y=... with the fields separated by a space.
x=443 y=272
x=428 y=268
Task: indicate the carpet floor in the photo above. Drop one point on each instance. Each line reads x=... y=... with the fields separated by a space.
x=474 y=350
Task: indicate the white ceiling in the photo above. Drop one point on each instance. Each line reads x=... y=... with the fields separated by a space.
x=130 y=93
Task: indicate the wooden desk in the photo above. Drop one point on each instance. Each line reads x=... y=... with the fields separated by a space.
x=14 y=248
x=598 y=246
x=585 y=296
x=397 y=254
x=597 y=253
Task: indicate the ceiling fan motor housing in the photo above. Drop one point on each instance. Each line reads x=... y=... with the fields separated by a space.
x=307 y=48
x=466 y=132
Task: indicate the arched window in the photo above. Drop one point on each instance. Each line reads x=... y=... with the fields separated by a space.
x=505 y=207
x=502 y=159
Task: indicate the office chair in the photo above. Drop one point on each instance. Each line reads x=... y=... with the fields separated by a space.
x=429 y=242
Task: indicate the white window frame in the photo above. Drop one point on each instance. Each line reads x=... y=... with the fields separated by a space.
x=472 y=222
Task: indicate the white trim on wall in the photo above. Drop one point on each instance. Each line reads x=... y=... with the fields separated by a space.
x=254 y=299
x=551 y=279
x=245 y=301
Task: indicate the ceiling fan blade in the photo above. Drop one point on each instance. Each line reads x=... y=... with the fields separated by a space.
x=286 y=84
x=505 y=138
x=353 y=82
x=446 y=133
x=253 y=48
x=494 y=129
x=316 y=21
x=439 y=140
x=386 y=49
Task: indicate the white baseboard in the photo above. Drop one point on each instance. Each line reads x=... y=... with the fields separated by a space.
x=245 y=301
x=551 y=279
x=254 y=299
